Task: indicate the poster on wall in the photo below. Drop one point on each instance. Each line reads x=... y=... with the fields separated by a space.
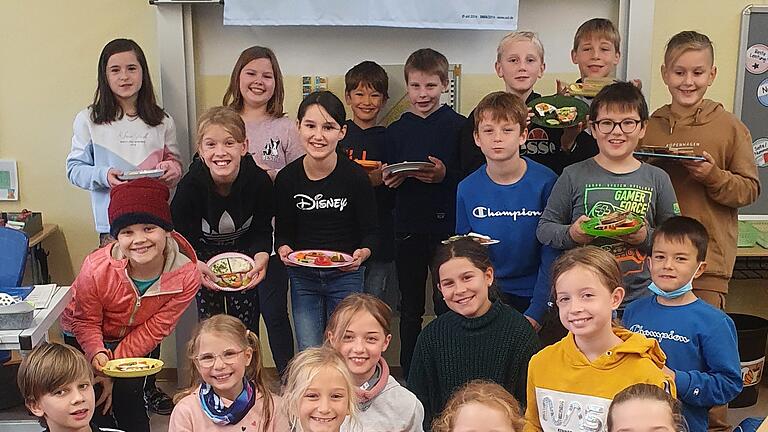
x=435 y=14
x=9 y=181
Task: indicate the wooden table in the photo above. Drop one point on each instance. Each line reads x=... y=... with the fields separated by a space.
x=38 y=255
x=750 y=252
x=25 y=340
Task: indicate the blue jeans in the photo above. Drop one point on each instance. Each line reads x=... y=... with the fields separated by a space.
x=314 y=295
x=380 y=278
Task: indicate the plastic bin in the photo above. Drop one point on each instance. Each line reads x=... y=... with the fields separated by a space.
x=752 y=332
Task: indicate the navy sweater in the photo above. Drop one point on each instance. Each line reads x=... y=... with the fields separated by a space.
x=427 y=208
x=371 y=141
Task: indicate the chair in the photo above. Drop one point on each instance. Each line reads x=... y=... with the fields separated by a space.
x=14 y=245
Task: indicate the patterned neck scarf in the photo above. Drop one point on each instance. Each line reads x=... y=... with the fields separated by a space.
x=214 y=408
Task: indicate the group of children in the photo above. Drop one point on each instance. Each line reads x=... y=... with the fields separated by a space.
x=533 y=316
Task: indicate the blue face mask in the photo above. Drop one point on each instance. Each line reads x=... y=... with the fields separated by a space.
x=676 y=293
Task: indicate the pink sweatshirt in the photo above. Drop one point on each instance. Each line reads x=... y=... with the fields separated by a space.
x=274 y=143
x=188 y=416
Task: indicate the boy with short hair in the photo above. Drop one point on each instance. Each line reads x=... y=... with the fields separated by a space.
x=425 y=200
x=712 y=190
x=56 y=383
x=612 y=181
x=130 y=293
x=504 y=200
x=366 y=88
x=699 y=340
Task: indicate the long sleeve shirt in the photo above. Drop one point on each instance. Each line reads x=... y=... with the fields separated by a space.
x=126 y=144
x=586 y=188
x=510 y=214
x=701 y=347
x=337 y=212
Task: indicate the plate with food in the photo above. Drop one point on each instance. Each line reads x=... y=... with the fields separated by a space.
x=589 y=87
x=681 y=153
x=134 y=367
x=231 y=269
x=613 y=224
x=482 y=239
x=558 y=111
x=405 y=166
x=317 y=258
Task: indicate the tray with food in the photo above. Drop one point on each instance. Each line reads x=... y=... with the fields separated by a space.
x=558 y=111
x=589 y=87
x=682 y=153
x=320 y=258
x=231 y=269
x=613 y=224
x=482 y=239
x=134 y=367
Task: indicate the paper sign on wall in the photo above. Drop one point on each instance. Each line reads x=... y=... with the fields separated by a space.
x=9 y=181
x=443 y=14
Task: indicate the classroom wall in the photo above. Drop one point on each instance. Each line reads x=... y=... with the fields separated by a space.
x=49 y=51
x=720 y=20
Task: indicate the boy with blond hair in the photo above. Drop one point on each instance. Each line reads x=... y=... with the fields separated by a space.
x=425 y=200
x=56 y=383
x=712 y=190
x=520 y=63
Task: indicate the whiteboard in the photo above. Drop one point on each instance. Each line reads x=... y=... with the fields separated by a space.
x=751 y=101
x=312 y=50
x=451 y=14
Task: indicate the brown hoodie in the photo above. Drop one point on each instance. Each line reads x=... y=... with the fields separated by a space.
x=732 y=183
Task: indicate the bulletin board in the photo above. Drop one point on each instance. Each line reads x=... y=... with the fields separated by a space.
x=751 y=101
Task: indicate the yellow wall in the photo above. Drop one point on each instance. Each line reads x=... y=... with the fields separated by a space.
x=718 y=19
x=49 y=54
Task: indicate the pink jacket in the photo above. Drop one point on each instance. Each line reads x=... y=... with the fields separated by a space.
x=188 y=416
x=106 y=306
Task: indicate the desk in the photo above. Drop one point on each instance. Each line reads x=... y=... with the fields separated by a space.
x=751 y=252
x=25 y=340
x=39 y=256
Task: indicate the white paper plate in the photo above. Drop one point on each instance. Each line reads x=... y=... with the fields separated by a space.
x=406 y=166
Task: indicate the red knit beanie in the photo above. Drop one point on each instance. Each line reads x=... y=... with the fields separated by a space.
x=140 y=201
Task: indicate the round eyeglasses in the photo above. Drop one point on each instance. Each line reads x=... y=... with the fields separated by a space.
x=207 y=360
x=606 y=126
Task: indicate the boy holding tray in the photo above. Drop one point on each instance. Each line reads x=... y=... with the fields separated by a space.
x=612 y=181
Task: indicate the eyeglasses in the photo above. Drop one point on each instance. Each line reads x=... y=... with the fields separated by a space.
x=207 y=360
x=606 y=126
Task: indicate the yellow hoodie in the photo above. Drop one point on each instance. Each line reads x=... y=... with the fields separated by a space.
x=732 y=183
x=568 y=393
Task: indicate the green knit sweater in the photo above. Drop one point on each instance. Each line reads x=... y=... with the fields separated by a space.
x=453 y=350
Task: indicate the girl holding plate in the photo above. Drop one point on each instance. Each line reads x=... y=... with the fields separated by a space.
x=325 y=226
